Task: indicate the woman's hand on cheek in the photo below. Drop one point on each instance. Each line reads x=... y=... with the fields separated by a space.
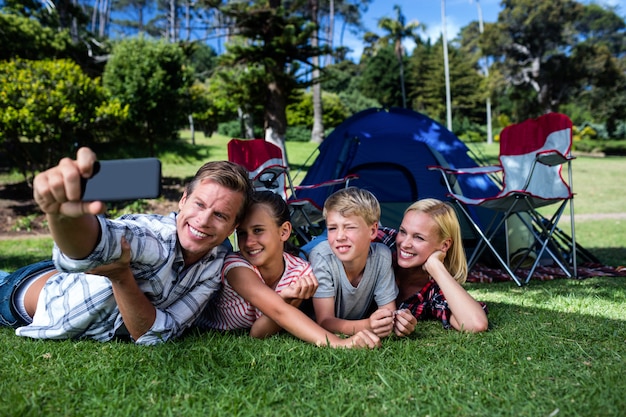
x=436 y=257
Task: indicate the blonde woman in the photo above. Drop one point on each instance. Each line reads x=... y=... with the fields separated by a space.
x=430 y=266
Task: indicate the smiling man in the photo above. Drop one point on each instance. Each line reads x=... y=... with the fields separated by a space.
x=176 y=260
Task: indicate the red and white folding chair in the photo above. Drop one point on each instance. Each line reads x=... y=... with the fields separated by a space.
x=265 y=163
x=532 y=154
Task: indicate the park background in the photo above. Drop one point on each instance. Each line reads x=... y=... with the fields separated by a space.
x=133 y=78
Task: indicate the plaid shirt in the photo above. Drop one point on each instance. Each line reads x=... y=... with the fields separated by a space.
x=429 y=302
x=74 y=304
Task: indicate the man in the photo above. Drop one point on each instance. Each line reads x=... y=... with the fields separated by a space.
x=176 y=260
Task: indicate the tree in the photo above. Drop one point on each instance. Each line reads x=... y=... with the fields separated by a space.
x=152 y=78
x=26 y=38
x=546 y=54
x=600 y=51
x=397 y=31
x=344 y=78
x=531 y=44
x=317 y=131
x=277 y=39
x=380 y=78
x=300 y=113
x=427 y=93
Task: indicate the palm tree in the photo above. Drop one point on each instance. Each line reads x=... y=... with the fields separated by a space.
x=397 y=31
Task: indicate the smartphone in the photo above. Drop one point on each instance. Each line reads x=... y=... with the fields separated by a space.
x=123 y=179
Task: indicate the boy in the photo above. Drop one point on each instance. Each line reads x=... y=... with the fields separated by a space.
x=352 y=271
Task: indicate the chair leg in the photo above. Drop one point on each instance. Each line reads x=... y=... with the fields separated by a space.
x=547 y=229
x=571 y=219
x=485 y=240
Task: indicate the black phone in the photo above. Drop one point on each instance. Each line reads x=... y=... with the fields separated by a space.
x=123 y=179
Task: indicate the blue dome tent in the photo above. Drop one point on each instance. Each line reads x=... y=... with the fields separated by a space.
x=390 y=150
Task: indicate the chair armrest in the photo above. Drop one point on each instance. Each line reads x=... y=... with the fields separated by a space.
x=552 y=157
x=345 y=180
x=491 y=169
x=449 y=174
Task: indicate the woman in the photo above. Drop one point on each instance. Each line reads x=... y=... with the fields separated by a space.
x=430 y=266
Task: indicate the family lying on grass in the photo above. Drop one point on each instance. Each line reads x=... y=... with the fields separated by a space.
x=151 y=277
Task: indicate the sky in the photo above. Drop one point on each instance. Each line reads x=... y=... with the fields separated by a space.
x=459 y=13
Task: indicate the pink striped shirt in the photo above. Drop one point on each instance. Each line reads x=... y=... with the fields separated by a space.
x=230 y=311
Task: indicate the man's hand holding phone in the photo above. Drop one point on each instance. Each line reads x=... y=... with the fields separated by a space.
x=74 y=188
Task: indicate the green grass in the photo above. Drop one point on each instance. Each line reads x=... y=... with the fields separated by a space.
x=214 y=148
x=555 y=347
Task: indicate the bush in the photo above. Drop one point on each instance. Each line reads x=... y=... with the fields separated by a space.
x=48 y=108
x=615 y=147
x=298 y=134
x=232 y=129
x=152 y=78
x=301 y=112
x=608 y=147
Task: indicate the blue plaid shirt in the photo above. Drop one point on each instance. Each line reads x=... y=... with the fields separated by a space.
x=74 y=304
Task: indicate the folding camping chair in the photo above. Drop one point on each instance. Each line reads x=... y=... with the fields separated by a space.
x=269 y=171
x=532 y=154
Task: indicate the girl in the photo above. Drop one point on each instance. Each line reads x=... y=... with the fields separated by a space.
x=430 y=266
x=263 y=285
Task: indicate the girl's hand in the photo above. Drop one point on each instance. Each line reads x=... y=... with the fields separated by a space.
x=302 y=289
x=404 y=322
x=362 y=339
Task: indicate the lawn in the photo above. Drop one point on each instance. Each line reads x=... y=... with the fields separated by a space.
x=554 y=348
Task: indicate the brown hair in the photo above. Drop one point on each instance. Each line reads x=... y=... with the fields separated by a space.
x=228 y=174
x=280 y=212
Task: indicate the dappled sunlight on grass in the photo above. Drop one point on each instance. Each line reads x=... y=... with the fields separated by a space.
x=598 y=297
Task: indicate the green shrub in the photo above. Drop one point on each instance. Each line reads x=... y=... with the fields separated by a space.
x=614 y=147
x=152 y=78
x=232 y=129
x=608 y=147
x=301 y=112
x=49 y=107
x=298 y=134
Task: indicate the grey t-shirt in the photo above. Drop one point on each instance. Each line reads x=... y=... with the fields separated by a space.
x=377 y=284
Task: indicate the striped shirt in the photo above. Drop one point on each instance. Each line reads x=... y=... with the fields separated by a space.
x=74 y=304
x=229 y=310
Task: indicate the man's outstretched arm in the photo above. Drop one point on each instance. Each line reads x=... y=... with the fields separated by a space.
x=72 y=222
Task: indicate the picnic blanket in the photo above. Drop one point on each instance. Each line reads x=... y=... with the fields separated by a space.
x=481 y=273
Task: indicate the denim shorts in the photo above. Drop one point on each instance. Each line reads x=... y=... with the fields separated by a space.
x=9 y=284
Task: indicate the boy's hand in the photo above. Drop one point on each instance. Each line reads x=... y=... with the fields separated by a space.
x=404 y=322
x=58 y=190
x=302 y=289
x=381 y=322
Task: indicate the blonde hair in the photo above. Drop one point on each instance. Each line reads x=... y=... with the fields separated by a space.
x=354 y=201
x=448 y=227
